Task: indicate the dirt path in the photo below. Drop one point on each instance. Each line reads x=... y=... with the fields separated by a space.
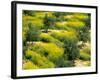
x=80 y=63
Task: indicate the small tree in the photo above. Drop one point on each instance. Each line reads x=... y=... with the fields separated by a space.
x=48 y=22
x=33 y=33
x=71 y=50
x=59 y=16
x=30 y=13
x=84 y=32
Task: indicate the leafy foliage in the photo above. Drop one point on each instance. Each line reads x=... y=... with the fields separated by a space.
x=71 y=50
x=84 y=56
x=63 y=35
x=48 y=22
x=85 y=53
x=55 y=39
x=33 y=33
x=50 y=50
x=38 y=59
x=47 y=38
x=29 y=65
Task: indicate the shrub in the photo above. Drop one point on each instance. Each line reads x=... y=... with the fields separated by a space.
x=76 y=24
x=30 y=13
x=70 y=44
x=39 y=60
x=47 y=38
x=71 y=50
x=40 y=15
x=86 y=49
x=85 y=53
x=62 y=35
x=54 y=52
x=61 y=25
x=70 y=18
x=33 y=33
x=50 y=50
x=84 y=34
x=29 y=65
x=81 y=16
x=34 y=20
x=48 y=22
x=62 y=62
x=76 y=17
x=24 y=30
x=84 y=56
x=68 y=64
x=38 y=23
x=37 y=47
